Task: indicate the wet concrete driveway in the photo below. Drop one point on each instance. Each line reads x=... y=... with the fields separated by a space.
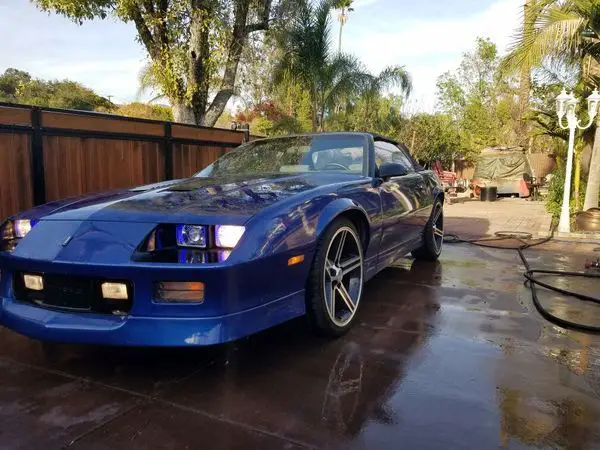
x=447 y=355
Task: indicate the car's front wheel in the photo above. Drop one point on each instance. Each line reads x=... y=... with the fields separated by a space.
x=336 y=279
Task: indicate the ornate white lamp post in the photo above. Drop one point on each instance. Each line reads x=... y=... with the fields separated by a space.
x=566 y=104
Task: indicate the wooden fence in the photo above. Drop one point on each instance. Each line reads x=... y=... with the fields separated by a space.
x=47 y=154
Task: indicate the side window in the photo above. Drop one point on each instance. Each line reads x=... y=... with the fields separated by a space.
x=386 y=152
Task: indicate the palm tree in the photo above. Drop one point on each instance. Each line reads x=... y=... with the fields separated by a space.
x=390 y=77
x=345 y=7
x=566 y=32
x=308 y=60
x=530 y=12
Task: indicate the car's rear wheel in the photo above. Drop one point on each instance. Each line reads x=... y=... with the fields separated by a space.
x=433 y=236
x=336 y=279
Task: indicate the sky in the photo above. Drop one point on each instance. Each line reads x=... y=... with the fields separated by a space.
x=429 y=37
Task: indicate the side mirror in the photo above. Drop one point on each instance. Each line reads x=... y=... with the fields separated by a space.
x=392 y=169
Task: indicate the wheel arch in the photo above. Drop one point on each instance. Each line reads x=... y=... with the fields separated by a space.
x=350 y=210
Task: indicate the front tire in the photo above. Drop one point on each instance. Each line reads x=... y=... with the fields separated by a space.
x=433 y=236
x=336 y=279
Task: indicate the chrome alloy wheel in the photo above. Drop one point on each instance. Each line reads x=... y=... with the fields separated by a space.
x=343 y=276
x=438 y=229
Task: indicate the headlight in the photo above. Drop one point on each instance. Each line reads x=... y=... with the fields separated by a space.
x=12 y=231
x=228 y=236
x=191 y=236
x=22 y=228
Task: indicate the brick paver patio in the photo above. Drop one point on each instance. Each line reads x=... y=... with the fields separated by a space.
x=474 y=218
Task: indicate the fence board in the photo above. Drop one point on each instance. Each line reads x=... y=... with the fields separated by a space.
x=76 y=166
x=15 y=116
x=71 y=121
x=207 y=134
x=64 y=153
x=15 y=174
x=464 y=170
x=189 y=159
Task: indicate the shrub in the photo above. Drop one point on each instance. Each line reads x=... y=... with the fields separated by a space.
x=556 y=189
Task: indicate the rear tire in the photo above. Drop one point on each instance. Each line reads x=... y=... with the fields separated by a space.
x=336 y=279
x=433 y=236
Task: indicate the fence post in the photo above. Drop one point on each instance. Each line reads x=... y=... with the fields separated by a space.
x=37 y=158
x=168 y=149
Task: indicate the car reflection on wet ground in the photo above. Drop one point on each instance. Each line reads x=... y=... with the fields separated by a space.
x=446 y=355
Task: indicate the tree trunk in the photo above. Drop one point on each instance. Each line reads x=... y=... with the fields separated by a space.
x=340 y=38
x=199 y=73
x=151 y=23
x=183 y=114
x=315 y=116
x=593 y=184
x=529 y=18
x=239 y=36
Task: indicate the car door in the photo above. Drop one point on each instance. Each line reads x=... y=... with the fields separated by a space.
x=404 y=199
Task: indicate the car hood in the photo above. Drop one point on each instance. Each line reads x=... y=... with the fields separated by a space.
x=234 y=199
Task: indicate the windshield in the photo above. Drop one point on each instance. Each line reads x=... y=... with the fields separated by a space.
x=296 y=154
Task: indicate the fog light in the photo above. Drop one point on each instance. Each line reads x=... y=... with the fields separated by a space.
x=33 y=282
x=114 y=291
x=179 y=292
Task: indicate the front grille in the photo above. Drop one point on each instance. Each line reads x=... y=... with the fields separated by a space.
x=82 y=294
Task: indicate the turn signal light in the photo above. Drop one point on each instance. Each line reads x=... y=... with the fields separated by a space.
x=114 y=291
x=295 y=260
x=179 y=292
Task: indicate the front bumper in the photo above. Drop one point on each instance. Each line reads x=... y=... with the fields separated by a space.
x=240 y=300
x=59 y=326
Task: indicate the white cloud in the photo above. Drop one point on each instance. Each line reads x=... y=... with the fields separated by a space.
x=430 y=46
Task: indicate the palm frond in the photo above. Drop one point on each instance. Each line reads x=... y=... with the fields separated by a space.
x=394 y=76
x=558 y=35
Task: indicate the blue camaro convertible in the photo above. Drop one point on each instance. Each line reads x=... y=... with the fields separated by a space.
x=274 y=230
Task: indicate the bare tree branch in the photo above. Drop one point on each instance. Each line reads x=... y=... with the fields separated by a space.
x=238 y=40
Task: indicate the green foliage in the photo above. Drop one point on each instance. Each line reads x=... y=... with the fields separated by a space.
x=336 y=84
x=194 y=47
x=565 y=35
x=565 y=32
x=10 y=82
x=309 y=62
x=77 y=9
x=269 y=119
x=145 y=111
x=17 y=86
x=381 y=116
x=262 y=126
x=343 y=5
x=556 y=188
x=480 y=100
x=432 y=137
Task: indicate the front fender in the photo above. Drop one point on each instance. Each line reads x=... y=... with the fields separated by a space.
x=336 y=208
x=294 y=231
